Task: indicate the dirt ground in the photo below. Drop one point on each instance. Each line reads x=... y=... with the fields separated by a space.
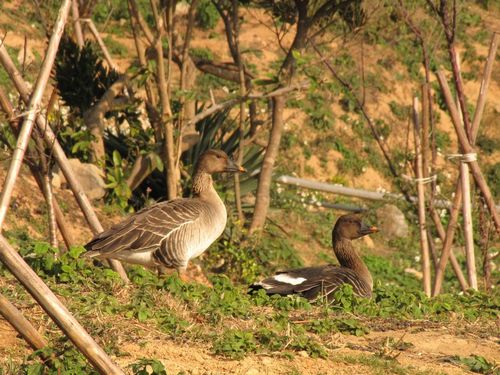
x=427 y=350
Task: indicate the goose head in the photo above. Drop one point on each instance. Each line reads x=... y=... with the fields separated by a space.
x=351 y=227
x=217 y=161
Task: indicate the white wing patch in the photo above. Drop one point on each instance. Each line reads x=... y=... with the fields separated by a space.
x=287 y=279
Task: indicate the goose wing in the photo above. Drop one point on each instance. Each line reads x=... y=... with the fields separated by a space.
x=311 y=282
x=147 y=229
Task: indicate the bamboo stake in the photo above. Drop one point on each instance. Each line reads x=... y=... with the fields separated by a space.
x=33 y=107
x=61 y=223
x=475 y=128
x=485 y=83
x=448 y=241
x=466 y=207
x=99 y=40
x=467 y=149
x=425 y=130
x=47 y=192
x=21 y=324
x=76 y=23
x=427 y=114
x=51 y=140
x=424 y=244
x=56 y=310
x=453 y=260
x=467 y=224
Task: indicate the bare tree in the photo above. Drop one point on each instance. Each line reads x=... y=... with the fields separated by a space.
x=307 y=15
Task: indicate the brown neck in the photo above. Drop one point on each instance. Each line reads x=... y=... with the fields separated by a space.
x=202 y=184
x=349 y=258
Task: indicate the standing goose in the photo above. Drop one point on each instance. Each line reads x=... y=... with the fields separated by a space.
x=169 y=234
x=311 y=282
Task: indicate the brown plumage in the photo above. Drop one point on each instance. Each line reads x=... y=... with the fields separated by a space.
x=311 y=282
x=169 y=234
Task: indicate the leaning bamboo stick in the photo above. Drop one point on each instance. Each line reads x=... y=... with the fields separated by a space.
x=485 y=83
x=99 y=40
x=448 y=240
x=51 y=140
x=33 y=108
x=76 y=23
x=424 y=244
x=475 y=128
x=47 y=192
x=453 y=260
x=426 y=128
x=56 y=310
x=467 y=149
x=21 y=324
x=7 y=107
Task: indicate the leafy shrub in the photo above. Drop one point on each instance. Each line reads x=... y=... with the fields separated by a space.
x=477 y=364
x=206 y=15
x=488 y=144
x=235 y=344
x=81 y=76
x=493 y=176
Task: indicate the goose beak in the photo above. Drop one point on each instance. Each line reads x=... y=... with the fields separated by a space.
x=234 y=168
x=365 y=229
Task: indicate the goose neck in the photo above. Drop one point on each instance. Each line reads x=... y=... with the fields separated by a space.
x=349 y=258
x=203 y=184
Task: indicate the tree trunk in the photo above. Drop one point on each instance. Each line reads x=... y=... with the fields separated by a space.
x=263 y=189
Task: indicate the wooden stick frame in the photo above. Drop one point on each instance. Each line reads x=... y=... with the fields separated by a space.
x=8 y=108
x=475 y=128
x=51 y=141
x=11 y=259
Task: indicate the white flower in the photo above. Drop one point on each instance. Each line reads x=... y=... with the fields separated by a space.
x=417 y=258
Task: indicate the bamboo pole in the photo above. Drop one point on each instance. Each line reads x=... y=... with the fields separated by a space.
x=467 y=225
x=475 y=128
x=485 y=83
x=425 y=130
x=56 y=310
x=21 y=324
x=468 y=149
x=51 y=140
x=61 y=222
x=47 y=192
x=424 y=244
x=99 y=40
x=453 y=260
x=76 y=23
x=466 y=207
x=33 y=108
x=426 y=163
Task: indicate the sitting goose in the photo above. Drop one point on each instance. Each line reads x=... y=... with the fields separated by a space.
x=311 y=282
x=169 y=234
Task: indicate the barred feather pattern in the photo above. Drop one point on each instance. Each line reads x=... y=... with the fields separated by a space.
x=323 y=281
x=167 y=234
